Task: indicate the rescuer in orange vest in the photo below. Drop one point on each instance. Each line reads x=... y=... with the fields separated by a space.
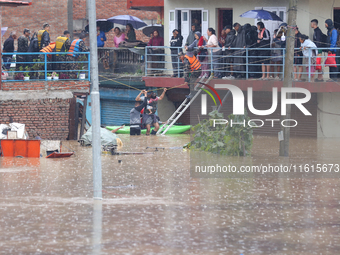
x=192 y=68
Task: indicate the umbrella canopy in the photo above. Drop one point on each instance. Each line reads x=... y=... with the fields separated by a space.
x=260 y=14
x=104 y=25
x=3 y=30
x=149 y=29
x=125 y=19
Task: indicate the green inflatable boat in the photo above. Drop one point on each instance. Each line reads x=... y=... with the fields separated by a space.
x=175 y=129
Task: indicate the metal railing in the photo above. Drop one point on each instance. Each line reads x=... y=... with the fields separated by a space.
x=39 y=66
x=245 y=63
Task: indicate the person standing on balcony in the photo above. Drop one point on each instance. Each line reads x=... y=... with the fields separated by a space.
x=239 y=59
x=77 y=45
x=157 y=53
x=62 y=44
x=332 y=34
x=202 y=53
x=176 y=41
x=23 y=47
x=130 y=33
x=229 y=41
x=119 y=37
x=318 y=40
x=101 y=38
x=191 y=36
x=9 y=48
x=44 y=36
x=216 y=52
x=305 y=45
x=263 y=41
x=297 y=56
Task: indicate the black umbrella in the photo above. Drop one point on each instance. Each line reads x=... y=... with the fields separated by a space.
x=149 y=29
x=105 y=25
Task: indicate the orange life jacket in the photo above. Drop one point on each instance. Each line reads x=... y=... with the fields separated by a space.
x=49 y=48
x=194 y=63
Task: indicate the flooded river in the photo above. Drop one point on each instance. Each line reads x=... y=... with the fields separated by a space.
x=151 y=205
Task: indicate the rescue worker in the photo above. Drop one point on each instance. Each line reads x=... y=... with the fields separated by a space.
x=44 y=36
x=23 y=47
x=47 y=49
x=77 y=45
x=149 y=115
x=192 y=68
x=62 y=44
x=135 y=120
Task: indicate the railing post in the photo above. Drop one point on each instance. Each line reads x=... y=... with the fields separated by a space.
x=309 y=63
x=178 y=63
x=211 y=63
x=247 y=63
x=146 y=61
x=283 y=63
x=45 y=59
x=88 y=65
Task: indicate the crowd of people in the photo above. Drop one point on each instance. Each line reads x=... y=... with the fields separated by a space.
x=41 y=42
x=265 y=51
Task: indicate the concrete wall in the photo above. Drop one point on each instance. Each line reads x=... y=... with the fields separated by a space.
x=329 y=114
x=165 y=107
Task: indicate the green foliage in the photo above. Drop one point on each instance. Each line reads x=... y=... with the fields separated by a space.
x=27 y=69
x=224 y=139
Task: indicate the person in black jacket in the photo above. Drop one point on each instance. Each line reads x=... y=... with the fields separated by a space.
x=22 y=47
x=229 y=41
x=264 y=54
x=298 y=56
x=9 y=48
x=317 y=39
x=176 y=41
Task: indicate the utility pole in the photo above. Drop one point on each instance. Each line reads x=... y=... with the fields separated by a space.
x=96 y=144
x=288 y=74
x=70 y=17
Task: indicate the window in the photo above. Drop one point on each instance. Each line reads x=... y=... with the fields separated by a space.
x=172 y=16
x=185 y=16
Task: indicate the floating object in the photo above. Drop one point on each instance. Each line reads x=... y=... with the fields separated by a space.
x=119 y=161
x=20 y=147
x=156 y=148
x=175 y=129
x=60 y=155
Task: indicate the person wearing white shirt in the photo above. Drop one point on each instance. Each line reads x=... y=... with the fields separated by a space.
x=306 y=44
x=216 y=52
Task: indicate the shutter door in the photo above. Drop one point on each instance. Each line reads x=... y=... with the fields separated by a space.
x=115 y=112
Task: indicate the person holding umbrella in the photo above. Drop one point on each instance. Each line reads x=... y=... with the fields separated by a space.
x=119 y=37
x=101 y=38
x=130 y=33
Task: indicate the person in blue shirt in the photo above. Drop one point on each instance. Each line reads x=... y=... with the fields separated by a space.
x=332 y=36
x=101 y=38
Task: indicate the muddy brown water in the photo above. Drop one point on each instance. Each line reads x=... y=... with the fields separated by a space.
x=151 y=205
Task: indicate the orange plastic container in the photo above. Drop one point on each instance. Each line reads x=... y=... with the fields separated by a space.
x=20 y=147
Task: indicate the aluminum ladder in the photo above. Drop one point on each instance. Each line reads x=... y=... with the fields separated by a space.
x=183 y=107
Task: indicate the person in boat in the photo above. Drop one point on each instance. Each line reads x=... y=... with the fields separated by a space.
x=135 y=113
x=149 y=117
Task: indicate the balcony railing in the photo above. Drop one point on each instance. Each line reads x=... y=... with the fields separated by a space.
x=45 y=66
x=244 y=63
